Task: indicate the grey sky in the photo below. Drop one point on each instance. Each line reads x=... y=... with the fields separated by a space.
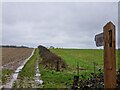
x=62 y=24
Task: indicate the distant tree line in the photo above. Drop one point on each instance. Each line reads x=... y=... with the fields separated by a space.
x=13 y=46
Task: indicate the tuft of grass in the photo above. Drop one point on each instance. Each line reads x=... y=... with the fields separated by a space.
x=6 y=73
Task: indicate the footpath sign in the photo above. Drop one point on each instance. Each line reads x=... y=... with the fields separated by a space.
x=107 y=39
x=99 y=40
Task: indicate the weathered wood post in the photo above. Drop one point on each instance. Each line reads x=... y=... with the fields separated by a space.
x=107 y=39
x=109 y=56
x=57 y=66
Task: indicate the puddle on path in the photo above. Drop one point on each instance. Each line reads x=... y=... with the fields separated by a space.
x=37 y=74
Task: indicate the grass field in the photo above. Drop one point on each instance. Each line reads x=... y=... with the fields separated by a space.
x=86 y=59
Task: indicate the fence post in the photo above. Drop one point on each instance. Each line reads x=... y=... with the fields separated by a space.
x=109 y=56
x=57 y=66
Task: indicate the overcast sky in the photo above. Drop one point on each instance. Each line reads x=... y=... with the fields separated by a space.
x=61 y=24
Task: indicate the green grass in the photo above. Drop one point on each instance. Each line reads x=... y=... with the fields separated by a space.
x=6 y=73
x=85 y=57
x=53 y=79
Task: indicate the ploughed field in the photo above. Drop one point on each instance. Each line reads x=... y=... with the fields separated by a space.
x=13 y=57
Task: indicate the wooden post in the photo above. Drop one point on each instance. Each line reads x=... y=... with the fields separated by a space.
x=57 y=66
x=78 y=68
x=109 y=56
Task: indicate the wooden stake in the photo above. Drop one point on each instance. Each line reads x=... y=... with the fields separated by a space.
x=78 y=68
x=109 y=56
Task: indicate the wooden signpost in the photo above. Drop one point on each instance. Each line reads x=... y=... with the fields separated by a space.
x=107 y=39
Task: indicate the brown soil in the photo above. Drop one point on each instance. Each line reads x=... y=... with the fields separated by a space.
x=13 y=57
